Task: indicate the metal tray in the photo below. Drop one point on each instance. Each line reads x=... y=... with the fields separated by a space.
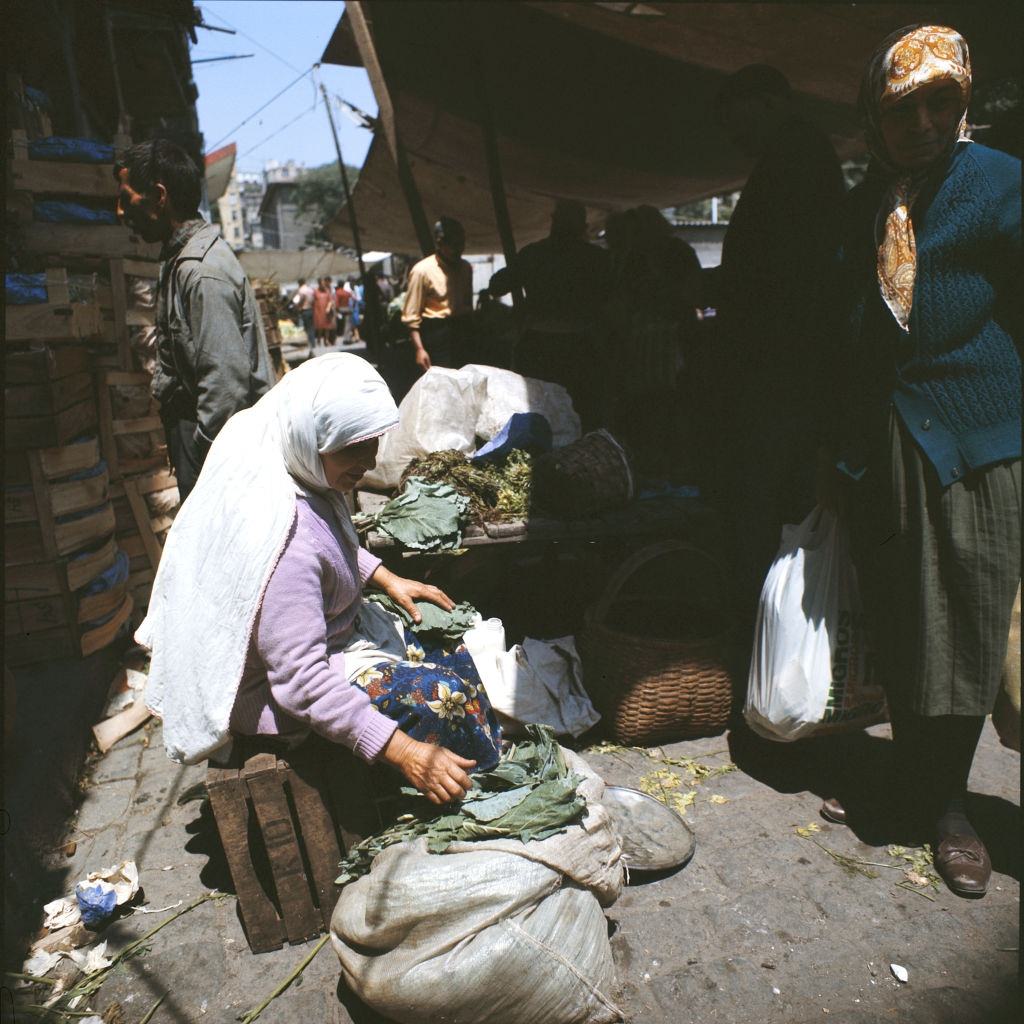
x=654 y=837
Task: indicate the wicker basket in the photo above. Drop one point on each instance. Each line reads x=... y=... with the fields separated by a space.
x=649 y=689
x=586 y=477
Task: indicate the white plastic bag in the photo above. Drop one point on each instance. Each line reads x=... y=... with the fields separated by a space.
x=542 y=682
x=812 y=668
x=488 y=931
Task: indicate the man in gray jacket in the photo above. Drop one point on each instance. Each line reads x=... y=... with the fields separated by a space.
x=213 y=357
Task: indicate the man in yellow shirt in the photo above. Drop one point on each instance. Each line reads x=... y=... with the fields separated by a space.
x=439 y=300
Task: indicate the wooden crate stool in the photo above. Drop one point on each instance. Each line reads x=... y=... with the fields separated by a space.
x=285 y=820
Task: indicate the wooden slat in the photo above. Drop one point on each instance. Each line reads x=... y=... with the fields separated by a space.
x=50 y=431
x=106 y=418
x=48 y=645
x=140 y=317
x=81 y=571
x=141 y=268
x=119 y=295
x=56 y=462
x=41 y=176
x=76 y=535
x=78 y=495
x=143 y=465
x=141 y=514
x=96 y=639
x=121 y=378
x=47 y=523
x=231 y=812
x=310 y=796
x=137 y=426
x=42 y=364
x=52 y=397
x=42 y=321
x=96 y=606
x=104 y=240
x=266 y=788
x=29 y=617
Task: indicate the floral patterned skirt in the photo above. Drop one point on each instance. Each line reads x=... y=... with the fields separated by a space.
x=437 y=697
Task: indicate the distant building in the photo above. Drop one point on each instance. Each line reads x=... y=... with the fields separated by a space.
x=252 y=188
x=283 y=226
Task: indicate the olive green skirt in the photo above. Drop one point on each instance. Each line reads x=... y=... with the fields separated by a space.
x=939 y=569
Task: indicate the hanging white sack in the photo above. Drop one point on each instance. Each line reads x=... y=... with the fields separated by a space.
x=541 y=682
x=439 y=412
x=812 y=668
x=506 y=393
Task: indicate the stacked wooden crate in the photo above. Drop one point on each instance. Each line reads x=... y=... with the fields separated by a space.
x=61 y=562
x=71 y=522
x=269 y=298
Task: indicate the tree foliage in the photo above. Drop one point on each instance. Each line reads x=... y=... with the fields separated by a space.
x=319 y=193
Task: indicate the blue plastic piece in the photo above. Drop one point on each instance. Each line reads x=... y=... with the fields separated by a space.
x=96 y=906
x=112 y=577
x=69 y=150
x=64 y=211
x=527 y=431
x=24 y=289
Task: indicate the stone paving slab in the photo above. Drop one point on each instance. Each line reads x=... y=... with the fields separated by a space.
x=762 y=926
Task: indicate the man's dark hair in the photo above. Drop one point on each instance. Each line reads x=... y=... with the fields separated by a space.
x=162 y=161
x=448 y=229
x=753 y=80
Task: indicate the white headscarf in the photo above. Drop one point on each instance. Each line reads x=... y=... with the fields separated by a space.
x=231 y=531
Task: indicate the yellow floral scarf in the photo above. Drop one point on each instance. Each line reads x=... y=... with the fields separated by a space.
x=905 y=61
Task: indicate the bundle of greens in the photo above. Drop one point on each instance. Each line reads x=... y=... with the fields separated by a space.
x=436 y=628
x=426 y=516
x=530 y=794
x=494 y=492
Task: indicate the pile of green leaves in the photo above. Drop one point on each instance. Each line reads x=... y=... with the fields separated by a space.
x=530 y=794
x=494 y=493
x=437 y=627
x=426 y=516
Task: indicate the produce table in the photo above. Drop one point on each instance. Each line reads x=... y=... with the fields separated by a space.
x=640 y=519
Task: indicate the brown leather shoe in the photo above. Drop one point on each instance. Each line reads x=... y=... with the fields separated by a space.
x=964 y=865
x=832 y=810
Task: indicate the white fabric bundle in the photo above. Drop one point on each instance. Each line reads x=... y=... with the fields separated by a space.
x=230 y=533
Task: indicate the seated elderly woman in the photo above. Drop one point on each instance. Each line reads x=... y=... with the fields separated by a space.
x=256 y=623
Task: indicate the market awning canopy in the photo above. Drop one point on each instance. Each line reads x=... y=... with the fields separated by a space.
x=283 y=266
x=219 y=166
x=606 y=103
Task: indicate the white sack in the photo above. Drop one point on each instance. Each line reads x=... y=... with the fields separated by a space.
x=542 y=682
x=451 y=409
x=489 y=931
x=439 y=412
x=812 y=666
x=506 y=393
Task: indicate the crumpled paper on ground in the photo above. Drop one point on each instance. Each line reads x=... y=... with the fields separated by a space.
x=120 y=880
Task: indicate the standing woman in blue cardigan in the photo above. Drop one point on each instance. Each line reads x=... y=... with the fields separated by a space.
x=928 y=432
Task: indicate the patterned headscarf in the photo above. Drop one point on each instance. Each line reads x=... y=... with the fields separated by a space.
x=905 y=61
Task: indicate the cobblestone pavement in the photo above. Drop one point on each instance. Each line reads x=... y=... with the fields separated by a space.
x=764 y=925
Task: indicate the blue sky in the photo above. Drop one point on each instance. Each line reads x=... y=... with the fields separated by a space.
x=286 y=38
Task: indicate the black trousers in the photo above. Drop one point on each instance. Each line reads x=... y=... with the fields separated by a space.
x=187 y=455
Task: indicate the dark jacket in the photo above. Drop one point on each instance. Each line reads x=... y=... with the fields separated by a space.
x=213 y=357
x=955 y=377
x=769 y=289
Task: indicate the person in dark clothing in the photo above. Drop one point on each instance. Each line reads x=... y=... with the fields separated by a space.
x=212 y=354
x=926 y=438
x=772 y=317
x=567 y=282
